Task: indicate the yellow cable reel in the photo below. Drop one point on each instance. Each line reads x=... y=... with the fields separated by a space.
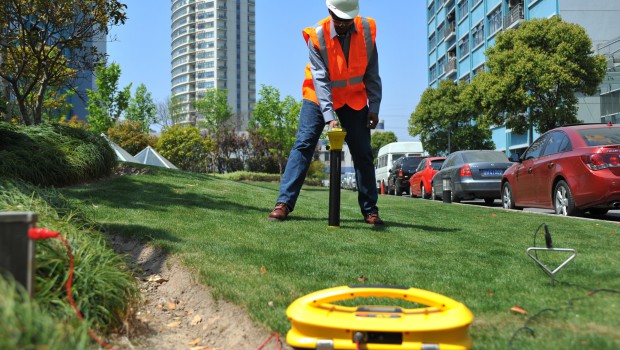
x=317 y=323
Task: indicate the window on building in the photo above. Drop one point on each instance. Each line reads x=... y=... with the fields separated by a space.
x=478 y=69
x=441 y=66
x=181 y=79
x=180 y=51
x=432 y=73
x=430 y=11
x=495 y=20
x=179 y=4
x=464 y=46
x=462 y=9
x=204 y=15
x=206 y=45
x=477 y=34
x=440 y=31
x=205 y=5
x=432 y=42
x=179 y=23
x=205 y=35
x=203 y=65
x=179 y=70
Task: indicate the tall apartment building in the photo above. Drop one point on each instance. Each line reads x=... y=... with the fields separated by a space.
x=86 y=81
x=459 y=31
x=213 y=46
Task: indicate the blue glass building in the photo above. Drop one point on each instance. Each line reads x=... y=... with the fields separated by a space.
x=459 y=31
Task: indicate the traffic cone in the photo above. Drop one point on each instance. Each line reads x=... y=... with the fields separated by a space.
x=382 y=187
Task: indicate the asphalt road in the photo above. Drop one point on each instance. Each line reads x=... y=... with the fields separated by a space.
x=612 y=215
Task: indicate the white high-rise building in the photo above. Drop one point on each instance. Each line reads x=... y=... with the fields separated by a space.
x=213 y=46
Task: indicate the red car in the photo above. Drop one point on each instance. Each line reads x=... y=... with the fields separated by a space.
x=420 y=182
x=571 y=169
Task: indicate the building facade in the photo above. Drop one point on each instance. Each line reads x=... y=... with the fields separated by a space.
x=213 y=46
x=459 y=31
x=86 y=80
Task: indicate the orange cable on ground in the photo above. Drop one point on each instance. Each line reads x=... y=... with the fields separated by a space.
x=277 y=337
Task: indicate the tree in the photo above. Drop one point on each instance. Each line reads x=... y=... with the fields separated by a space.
x=185 y=147
x=232 y=148
x=534 y=72
x=214 y=108
x=169 y=112
x=443 y=120
x=107 y=102
x=276 y=122
x=56 y=105
x=215 y=111
x=260 y=159
x=142 y=109
x=44 y=44
x=380 y=139
x=131 y=137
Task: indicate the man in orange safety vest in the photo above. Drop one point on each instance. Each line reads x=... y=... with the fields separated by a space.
x=342 y=86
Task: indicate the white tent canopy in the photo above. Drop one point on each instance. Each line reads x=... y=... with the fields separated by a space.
x=121 y=154
x=150 y=156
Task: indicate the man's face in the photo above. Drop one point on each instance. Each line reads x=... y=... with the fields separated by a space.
x=341 y=25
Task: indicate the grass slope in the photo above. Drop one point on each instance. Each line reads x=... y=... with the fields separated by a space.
x=473 y=254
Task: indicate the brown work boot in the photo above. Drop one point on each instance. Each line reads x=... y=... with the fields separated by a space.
x=373 y=219
x=280 y=212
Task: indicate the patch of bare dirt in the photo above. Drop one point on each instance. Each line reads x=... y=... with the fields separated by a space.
x=179 y=313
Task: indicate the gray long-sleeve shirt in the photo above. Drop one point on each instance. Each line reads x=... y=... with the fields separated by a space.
x=322 y=83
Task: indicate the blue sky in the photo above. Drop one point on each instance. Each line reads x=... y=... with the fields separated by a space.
x=142 y=48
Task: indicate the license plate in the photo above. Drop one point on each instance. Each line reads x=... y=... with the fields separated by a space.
x=491 y=172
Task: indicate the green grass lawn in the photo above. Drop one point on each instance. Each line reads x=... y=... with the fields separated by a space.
x=473 y=254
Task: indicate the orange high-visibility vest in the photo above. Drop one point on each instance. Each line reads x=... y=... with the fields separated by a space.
x=347 y=80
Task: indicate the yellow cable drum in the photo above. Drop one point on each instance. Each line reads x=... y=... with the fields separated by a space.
x=317 y=323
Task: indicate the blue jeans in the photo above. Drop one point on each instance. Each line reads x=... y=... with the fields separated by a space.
x=311 y=125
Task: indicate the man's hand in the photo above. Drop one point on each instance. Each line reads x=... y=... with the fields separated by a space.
x=333 y=124
x=373 y=120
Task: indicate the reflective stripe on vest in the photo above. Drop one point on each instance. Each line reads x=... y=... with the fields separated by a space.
x=323 y=50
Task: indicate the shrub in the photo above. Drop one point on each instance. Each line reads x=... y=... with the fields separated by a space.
x=185 y=147
x=103 y=286
x=131 y=137
x=24 y=325
x=53 y=154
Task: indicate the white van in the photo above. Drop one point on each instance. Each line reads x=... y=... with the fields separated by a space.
x=389 y=153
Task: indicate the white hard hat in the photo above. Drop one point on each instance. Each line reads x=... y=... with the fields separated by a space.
x=345 y=9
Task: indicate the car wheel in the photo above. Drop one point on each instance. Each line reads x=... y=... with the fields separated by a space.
x=563 y=201
x=423 y=190
x=598 y=211
x=508 y=201
x=411 y=192
x=454 y=198
x=397 y=190
x=433 y=195
x=390 y=189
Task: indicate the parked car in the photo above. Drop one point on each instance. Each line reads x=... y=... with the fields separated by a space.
x=402 y=169
x=472 y=175
x=420 y=182
x=570 y=169
x=349 y=182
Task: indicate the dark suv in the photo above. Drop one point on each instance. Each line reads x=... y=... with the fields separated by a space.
x=402 y=169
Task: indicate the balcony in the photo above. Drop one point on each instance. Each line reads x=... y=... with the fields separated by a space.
x=450 y=67
x=449 y=31
x=514 y=15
